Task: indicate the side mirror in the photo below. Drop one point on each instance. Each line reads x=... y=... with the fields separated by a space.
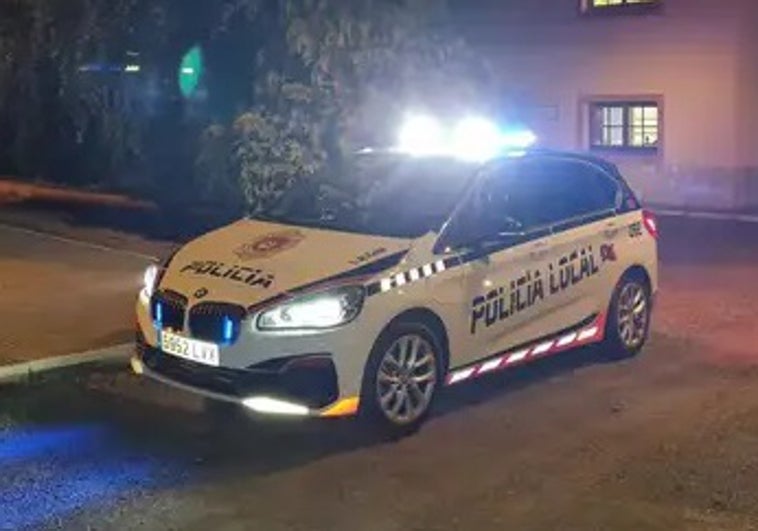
x=477 y=236
x=504 y=229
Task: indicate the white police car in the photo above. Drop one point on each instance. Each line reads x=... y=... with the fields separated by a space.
x=442 y=271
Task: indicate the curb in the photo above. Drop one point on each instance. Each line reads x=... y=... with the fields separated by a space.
x=15 y=190
x=744 y=218
x=80 y=243
x=114 y=355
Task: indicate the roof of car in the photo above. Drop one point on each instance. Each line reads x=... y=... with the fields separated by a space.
x=581 y=156
x=530 y=152
x=578 y=155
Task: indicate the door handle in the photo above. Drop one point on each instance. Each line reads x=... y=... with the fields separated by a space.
x=539 y=251
x=611 y=229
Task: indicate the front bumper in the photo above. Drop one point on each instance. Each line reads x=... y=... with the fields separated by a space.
x=303 y=385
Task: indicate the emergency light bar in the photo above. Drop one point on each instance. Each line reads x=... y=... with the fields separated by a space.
x=474 y=138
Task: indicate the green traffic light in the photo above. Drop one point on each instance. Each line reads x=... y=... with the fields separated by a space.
x=190 y=71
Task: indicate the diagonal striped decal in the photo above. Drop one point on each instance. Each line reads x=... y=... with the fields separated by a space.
x=584 y=335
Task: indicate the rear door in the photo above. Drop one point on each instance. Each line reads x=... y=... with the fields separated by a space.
x=579 y=201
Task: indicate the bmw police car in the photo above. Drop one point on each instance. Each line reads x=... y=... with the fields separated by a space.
x=445 y=269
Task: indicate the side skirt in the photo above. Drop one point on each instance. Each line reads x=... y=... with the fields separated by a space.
x=588 y=332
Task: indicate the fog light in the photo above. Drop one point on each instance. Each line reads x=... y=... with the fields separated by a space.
x=273 y=406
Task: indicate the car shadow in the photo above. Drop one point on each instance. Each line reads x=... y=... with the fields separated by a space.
x=491 y=386
x=199 y=447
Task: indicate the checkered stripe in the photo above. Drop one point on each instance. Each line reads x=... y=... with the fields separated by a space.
x=592 y=333
x=399 y=280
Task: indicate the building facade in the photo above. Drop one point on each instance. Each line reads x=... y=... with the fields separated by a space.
x=668 y=89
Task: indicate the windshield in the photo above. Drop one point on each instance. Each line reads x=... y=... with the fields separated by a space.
x=390 y=196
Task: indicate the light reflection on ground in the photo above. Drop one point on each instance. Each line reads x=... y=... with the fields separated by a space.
x=47 y=473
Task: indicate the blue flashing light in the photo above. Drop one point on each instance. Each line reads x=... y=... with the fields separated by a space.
x=476 y=139
x=228 y=329
x=158 y=314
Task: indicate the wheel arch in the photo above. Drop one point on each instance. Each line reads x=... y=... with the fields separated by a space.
x=639 y=271
x=635 y=272
x=431 y=320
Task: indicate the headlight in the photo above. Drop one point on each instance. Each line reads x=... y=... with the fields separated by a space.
x=322 y=310
x=150 y=278
x=153 y=274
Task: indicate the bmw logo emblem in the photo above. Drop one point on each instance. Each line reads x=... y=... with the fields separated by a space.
x=201 y=293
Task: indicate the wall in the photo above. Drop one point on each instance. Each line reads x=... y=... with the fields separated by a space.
x=696 y=55
x=747 y=103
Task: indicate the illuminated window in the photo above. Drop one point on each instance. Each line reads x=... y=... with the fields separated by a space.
x=625 y=125
x=627 y=6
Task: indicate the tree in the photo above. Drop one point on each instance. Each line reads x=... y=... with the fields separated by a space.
x=292 y=86
x=57 y=117
x=331 y=77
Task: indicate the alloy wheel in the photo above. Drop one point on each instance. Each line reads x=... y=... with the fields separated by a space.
x=633 y=315
x=406 y=379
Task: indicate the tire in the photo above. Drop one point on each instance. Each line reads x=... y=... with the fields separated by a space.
x=402 y=377
x=628 y=324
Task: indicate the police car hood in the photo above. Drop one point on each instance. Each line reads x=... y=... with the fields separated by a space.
x=250 y=261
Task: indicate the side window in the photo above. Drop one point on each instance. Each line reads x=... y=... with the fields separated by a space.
x=554 y=190
x=596 y=190
x=532 y=194
x=490 y=212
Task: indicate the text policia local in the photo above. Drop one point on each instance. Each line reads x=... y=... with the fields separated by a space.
x=534 y=285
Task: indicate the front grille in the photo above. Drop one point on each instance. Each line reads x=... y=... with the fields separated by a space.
x=216 y=322
x=310 y=380
x=167 y=309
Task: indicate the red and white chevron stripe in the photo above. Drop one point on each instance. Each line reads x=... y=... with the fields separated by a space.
x=591 y=333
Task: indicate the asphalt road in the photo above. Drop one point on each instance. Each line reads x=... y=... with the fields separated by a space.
x=59 y=297
x=665 y=441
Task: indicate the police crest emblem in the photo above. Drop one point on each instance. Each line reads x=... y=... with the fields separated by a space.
x=269 y=245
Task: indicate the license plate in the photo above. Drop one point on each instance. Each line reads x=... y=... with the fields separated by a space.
x=190 y=349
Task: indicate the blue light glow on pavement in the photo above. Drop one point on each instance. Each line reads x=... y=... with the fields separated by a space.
x=47 y=474
x=66 y=440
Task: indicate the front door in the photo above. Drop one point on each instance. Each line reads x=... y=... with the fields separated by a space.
x=508 y=293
